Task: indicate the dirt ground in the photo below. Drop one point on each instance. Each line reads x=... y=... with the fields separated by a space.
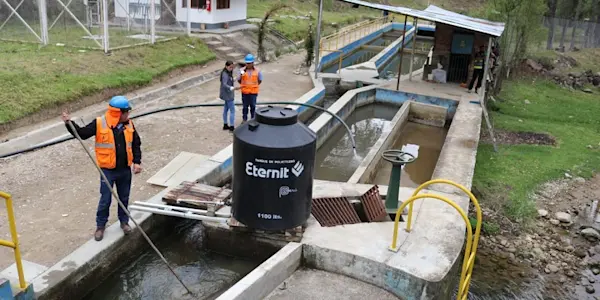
x=56 y=189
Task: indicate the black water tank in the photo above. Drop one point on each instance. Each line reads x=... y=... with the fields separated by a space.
x=273 y=170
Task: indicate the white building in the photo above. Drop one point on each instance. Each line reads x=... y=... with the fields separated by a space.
x=204 y=14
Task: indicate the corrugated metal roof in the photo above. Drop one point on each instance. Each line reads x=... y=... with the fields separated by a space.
x=439 y=15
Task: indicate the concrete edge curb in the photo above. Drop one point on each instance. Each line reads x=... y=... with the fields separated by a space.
x=267 y=276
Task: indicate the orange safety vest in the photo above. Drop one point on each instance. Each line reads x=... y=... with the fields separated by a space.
x=106 y=152
x=249 y=82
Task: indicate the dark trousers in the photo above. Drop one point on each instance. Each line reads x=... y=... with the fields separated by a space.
x=121 y=178
x=477 y=73
x=248 y=101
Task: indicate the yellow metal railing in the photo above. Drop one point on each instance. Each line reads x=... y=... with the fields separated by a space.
x=351 y=33
x=472 y=239
x=14 y=244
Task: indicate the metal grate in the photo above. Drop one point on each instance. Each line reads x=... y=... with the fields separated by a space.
x=334 y=211
x=373 y=206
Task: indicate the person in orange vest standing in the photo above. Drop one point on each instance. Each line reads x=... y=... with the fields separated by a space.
x=250 y=79
x=118 y=152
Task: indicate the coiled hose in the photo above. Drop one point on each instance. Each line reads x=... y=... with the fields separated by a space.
x=177 y=107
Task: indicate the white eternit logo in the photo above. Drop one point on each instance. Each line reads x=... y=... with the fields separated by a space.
x=297 y=169
x=280 y=173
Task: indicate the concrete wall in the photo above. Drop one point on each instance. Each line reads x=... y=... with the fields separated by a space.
x=399 y=97
x=379 y=274
x=428 y=114
x=332 y=57
x=368 y=168
x=266 y=277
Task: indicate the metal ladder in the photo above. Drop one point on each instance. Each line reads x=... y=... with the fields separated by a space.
x=92 y=13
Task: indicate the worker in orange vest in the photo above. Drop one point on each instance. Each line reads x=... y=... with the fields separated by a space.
x=250 y=79
x=117 y=153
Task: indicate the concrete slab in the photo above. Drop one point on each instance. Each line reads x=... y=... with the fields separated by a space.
x=266 y=277
x=214 y=43
x=183 y=167
x=31 y=270
x=419 y=270
x=224 y=49
x=309 y=284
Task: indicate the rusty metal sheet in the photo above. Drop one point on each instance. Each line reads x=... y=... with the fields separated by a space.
x=373 y=206
x=334 y=211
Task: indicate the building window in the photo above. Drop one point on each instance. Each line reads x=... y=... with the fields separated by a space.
x=223 y=4
x=198 y=4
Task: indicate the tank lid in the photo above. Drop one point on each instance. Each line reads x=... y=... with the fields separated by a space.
x=276 y=115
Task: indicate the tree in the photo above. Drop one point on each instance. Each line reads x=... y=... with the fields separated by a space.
x=262 y=54
x=552 y=4
x=578 y=8
x=566 y=11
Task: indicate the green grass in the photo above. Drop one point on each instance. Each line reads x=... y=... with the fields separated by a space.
x=33 y=77
x=335 y=12
x=508 y=178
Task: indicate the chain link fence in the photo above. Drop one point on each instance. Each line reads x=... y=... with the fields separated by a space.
x=94 y=24
x=20 y=21
x=569 y=34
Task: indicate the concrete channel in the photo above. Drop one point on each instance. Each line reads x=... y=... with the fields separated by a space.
x=356 y=255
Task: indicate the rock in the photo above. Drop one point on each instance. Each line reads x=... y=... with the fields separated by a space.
x=542 y=213
x=511 y=250
x=503 y=242
x=580 y=180
x=568 y=176
x=527 y=101
x=534 y=65
x=570 y=273
x=562 y=279
x=554 y=221
x=590 y=233
x=591 y=279
x=596 y=271
x=552 y=268
x=547 y=271
x=590 y=289
x=563 y=217
x=589 y=91
x=296 y=72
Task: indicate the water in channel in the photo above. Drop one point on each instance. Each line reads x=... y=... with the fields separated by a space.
x=206 y=273
x=335 y=159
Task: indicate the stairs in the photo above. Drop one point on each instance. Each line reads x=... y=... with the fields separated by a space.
x=221 y=48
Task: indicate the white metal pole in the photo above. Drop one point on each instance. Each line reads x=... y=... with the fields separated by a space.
x=128 y=16
x=43 y=20
x=105 y=24
x=178 y=214
x=486 y=68
x=414 y=44
x=318 y=39
x=152 y=21
x=187 y=16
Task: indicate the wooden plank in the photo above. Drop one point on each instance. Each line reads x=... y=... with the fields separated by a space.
x=179 y=169
x=197 y=195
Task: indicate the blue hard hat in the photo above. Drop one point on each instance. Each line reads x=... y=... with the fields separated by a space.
x=249 y=59
x=120 y=102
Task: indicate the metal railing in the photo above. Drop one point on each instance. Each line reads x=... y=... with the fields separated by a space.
x=14 y=244
x=472 y=239
x=352 y=33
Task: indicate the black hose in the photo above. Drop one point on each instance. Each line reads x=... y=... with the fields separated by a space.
x=168 y=108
